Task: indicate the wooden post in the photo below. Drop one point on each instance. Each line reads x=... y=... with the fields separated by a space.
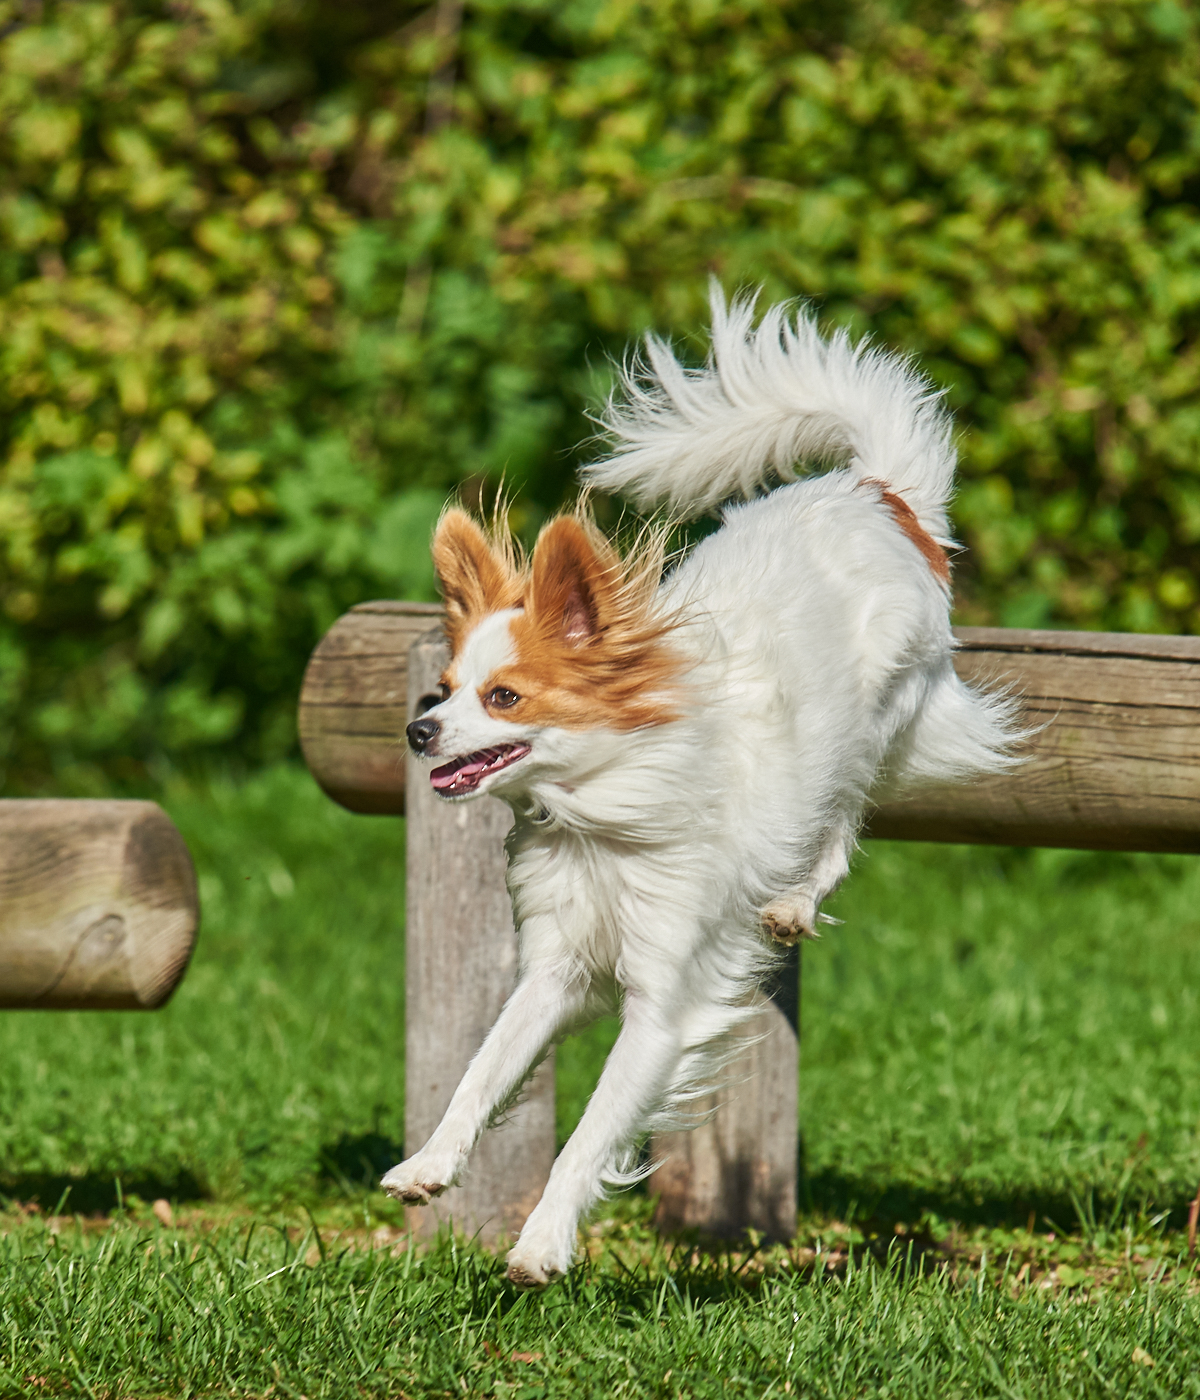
x=460 y=967
x=737 y=1169
x=98 y=905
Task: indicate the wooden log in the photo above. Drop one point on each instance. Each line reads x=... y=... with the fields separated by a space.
x=353 y=704
x=98 y=905
x=1117 y=766
x=737 y=1169
x=460 y=967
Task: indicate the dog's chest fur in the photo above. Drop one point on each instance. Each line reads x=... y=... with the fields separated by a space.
x=569 y=899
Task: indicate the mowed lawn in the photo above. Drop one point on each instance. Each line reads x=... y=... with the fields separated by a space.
x=1000 y=1098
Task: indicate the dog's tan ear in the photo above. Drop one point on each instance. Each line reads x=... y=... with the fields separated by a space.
x=575 y=575
x=474 y=579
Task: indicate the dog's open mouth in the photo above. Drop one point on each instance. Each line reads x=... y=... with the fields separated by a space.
x=465 y=774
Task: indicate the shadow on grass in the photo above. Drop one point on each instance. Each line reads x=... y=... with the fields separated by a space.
x=355 y=1163
x=352 y=1164
x=868 y=1199
x=97 y=1193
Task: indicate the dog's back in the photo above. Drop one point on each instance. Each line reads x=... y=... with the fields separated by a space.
x=838 y=584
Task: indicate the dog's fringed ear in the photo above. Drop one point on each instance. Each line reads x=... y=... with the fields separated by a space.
x=474 y=579
x=574 y=577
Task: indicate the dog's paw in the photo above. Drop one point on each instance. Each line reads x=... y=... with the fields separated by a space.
x=529 y=1276
x=789 y=919
x=418 y=1180
x=535 y=1263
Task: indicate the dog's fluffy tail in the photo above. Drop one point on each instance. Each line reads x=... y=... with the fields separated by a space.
x=769 y=400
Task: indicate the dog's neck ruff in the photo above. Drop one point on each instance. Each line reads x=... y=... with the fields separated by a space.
x=639 y=789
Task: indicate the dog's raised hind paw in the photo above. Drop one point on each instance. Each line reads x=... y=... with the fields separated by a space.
x=789 y=919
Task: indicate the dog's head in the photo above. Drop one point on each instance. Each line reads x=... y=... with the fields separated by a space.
x=543 y=654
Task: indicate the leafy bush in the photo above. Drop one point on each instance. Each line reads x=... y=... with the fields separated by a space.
x=183 y=508
x=276 y=277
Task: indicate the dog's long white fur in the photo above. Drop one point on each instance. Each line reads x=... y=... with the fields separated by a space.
x=820 y=676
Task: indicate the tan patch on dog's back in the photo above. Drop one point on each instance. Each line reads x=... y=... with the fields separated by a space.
x=904 y=516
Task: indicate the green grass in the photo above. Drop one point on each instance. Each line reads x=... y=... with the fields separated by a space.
x=145 y=1313
x=279 y=1061
x=998 y=1032
x=1000 y=1100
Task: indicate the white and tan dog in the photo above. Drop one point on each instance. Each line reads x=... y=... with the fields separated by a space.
x=688 y=760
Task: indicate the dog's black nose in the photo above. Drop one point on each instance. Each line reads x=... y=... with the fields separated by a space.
x=421 y=733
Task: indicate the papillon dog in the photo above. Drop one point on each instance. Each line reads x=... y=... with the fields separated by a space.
x=689 y=751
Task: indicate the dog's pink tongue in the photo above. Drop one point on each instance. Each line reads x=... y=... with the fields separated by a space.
x=449 y=773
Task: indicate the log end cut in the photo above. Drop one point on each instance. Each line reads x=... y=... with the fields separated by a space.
x=353 y=705
x=98 y=905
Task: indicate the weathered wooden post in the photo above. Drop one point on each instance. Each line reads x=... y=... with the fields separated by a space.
x=737 y=1169
x=1116 y=766
x=98 y=904
x=460 y=967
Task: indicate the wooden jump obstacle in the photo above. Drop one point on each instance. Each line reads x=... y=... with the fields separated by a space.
x=98 y=906
x=1115 y=767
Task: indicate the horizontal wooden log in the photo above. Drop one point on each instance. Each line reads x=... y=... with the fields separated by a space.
x=98 y=905
x=1116 y=766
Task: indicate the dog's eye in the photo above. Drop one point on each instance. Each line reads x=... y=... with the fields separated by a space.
x=445 y=689
x=502 y=698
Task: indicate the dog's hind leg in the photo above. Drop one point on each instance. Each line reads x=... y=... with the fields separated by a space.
x=793 y=915
x=542 y=1006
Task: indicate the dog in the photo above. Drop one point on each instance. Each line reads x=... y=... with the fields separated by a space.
x=689 y=752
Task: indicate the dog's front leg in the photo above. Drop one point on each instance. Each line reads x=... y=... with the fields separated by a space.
x=635 y=1079
x=542 y=1005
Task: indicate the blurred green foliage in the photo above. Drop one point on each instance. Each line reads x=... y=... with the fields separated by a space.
x=276 y=275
